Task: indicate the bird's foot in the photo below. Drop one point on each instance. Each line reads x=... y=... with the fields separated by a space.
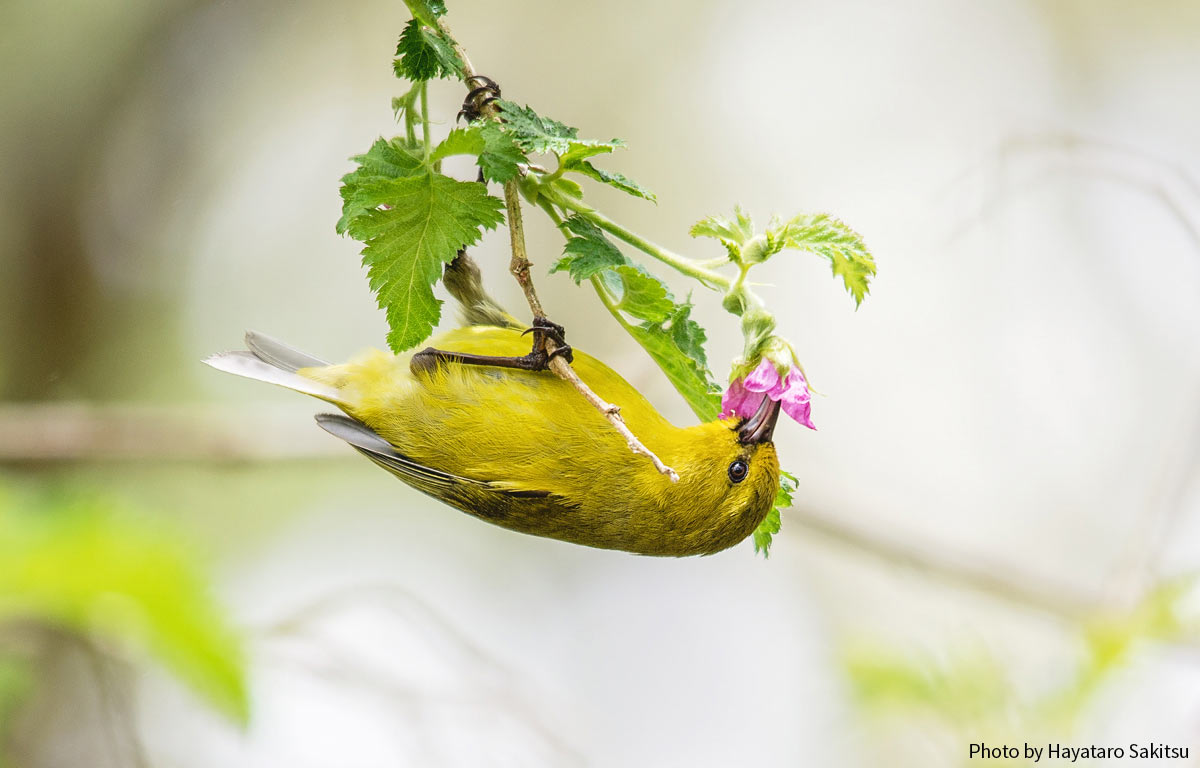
x=485 y=92
x=546 y=329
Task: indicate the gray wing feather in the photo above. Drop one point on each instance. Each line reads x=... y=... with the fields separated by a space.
x=383 y=453
x=279 y=354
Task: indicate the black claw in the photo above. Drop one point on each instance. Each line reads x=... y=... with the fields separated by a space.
x=543 y=328
x=565 y=352
x=474 y=92
x=479 y=97
x=547 y=329
x=545 y=322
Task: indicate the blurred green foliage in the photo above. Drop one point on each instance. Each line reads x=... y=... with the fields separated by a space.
x=971 y=697
x=85 y=564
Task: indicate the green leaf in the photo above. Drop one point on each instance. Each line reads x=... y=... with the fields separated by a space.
x=643 y=295
x=589 y=252
x=576 y=160
x=460 y=141
x=733 y=233
x=427 y=11
x=424 y=54
x=636 y=292
x=830 y=238
x=428 y=218
x=385 y=160
x=86 y=565
x=615 y=180
x=690 y=337
x=501 y=157
x=687 y=374
x=765 y=532
x=579 y=151
x=534 y=133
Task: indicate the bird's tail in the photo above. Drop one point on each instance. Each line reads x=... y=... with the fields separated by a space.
x=464 y=281
x=275 y=363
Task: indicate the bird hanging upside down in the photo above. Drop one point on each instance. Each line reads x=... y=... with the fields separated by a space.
x=521 y=449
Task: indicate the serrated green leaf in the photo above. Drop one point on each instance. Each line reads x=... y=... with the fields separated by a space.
x=385 y=160
x=787 y=486
x=428 y=218
x=86 y=565
x=534 y=133
x=576 y=160
x=615 y=180
x=765 y=532
x=584 y=260
x=588 y=253
x=688 y=334
x=424 y=54
x=737 y=230
x=830 y=238
x=500 y=159
x=579 y=151
x=643 y=295
x=427 y=11
x=460 y=141
x=686 y=374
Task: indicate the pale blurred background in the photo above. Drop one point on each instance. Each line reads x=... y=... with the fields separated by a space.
x=997 y=521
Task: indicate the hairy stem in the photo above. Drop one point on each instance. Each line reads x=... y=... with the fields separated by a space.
x=675 y=261
x=425 y=120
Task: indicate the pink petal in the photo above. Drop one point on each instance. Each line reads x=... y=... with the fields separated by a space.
x=797 y=400
x=799 y=410
x=738 y=401
x=764 y=378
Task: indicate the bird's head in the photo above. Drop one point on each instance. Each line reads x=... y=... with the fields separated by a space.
x=729 y=477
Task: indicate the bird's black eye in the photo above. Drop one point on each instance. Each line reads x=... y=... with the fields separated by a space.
x=738 y=470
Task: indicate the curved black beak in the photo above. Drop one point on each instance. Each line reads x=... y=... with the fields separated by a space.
x=759 y=427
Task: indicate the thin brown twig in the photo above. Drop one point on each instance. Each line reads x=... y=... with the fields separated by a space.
x=519 y=267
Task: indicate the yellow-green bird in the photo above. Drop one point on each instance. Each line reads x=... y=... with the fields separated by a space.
x=523 y=450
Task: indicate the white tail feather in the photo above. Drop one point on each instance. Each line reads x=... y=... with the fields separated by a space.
x=246 y=364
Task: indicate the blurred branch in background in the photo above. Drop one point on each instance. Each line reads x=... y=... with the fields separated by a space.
x=46 y=434
x=494 y=690
x=83 y=432
x=1055 y=155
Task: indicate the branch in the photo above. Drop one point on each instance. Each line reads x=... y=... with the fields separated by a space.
x=962 y=570
x=519 y=267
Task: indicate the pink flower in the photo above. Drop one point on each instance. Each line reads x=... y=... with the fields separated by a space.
x=738 y=401
x=791 y=391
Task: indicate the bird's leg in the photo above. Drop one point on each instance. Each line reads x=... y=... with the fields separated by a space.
x=538 y=358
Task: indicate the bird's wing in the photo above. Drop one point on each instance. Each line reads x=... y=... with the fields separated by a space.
x=479 y=497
